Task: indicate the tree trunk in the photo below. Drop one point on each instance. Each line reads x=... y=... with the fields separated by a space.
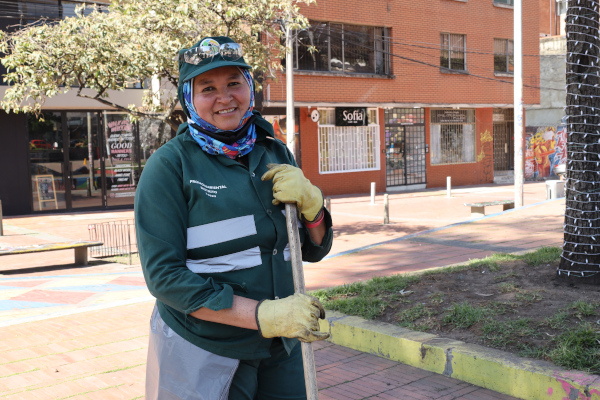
x=580 y=261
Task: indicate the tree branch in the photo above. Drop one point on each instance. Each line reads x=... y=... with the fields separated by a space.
x=114 y=105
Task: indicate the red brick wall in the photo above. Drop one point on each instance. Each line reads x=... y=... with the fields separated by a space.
x=481 y=171
x=420 y=23
x=341 y=183
x=548 y=20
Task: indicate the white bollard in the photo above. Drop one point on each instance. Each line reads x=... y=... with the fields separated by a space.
x=328 y=204
x=448 y=186
x=386 y=209
x=372 y=193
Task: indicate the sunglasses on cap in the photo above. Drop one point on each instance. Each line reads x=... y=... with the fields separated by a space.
x=196 y=55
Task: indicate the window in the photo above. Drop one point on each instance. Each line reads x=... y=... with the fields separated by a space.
x=503 y=56
x=505 y=2
x=52 y=10
x=453 y=51
x=343 y=48
x=452 y=136
x=348 y=148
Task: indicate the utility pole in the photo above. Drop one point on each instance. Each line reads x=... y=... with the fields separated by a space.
x=290 y=125
x=518 y=101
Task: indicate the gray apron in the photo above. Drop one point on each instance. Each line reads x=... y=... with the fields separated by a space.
x=179 y=370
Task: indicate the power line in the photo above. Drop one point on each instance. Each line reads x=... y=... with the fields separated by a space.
x=433 y=46
x=462 y=72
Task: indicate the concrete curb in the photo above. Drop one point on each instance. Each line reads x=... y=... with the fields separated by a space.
x=489 y=368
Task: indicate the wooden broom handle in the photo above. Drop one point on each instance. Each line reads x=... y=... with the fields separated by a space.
x=310 y=374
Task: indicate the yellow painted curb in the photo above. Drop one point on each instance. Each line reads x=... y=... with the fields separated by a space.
x=488 y=368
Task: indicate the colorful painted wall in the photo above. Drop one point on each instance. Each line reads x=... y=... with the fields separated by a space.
x=546 y=147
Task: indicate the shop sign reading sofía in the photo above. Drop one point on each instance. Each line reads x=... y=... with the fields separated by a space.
x=351 y=116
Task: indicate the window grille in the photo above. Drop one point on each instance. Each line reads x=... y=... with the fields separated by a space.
x=503 y=55
x=347 y=148
x=343 y=48
x=452 y=136
x=453 y=54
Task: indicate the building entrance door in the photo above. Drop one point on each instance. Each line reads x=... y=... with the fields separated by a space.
x=83 y=141
x=503 y=140
x=405 y=146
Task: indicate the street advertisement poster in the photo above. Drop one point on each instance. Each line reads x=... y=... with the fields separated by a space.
x=45 y=189
x=351 y=116
x=120 y=140
x=121 y=166
x=121 y=179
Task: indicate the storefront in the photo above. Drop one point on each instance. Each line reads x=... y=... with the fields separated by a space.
x=88 y=160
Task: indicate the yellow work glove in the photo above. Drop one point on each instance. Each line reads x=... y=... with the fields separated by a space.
x=296 y=316
x=290 y=186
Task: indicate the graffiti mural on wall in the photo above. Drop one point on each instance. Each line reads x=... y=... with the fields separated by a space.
x=546 y=147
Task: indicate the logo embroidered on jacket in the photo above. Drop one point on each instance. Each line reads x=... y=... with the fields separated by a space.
x=210 y=191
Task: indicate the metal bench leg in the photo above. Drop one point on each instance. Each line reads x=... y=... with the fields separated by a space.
x=81 y=256
x=508 y=206
x=477 y=212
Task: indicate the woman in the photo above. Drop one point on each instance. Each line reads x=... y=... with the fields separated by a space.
x=213 y=243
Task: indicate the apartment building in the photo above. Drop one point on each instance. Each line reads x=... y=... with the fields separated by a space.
x=405 y=94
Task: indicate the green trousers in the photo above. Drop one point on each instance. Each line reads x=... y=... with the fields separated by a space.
x=280 y=377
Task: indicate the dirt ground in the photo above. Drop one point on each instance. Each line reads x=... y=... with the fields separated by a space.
x=512 y=306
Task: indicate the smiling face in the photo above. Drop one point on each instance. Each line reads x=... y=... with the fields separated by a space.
x=221 y=97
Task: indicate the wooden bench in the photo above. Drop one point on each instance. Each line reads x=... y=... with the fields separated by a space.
x=80 y=247
x=478 y=209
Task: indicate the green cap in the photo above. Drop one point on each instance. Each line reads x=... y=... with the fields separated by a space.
x=188 y=71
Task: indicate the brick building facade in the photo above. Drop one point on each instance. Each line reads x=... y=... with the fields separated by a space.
x=385 y=57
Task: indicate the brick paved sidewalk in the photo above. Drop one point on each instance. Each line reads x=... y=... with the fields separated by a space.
x=524 y=229
x=102 y=355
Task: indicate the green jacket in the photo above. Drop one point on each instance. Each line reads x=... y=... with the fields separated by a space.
x=207 y=229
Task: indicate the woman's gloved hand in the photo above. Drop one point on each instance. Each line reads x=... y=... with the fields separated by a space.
x=290 y=186
x=296 y=316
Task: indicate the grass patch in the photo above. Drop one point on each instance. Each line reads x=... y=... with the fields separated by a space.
x=436 y=298
x=365 y=299
x=583 y=308
x=503 y=333
x=532 y=351
x=499 y=308
x=508 y=287
x=369 y=299
x=528 y=296
x=413 y=313
x=544 y=255
x=445 y=301
x=465 y=315
x=557 y=321
x=506 y=276
x=578 y=349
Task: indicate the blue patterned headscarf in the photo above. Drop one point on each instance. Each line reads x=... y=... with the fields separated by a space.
x=211 y=145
